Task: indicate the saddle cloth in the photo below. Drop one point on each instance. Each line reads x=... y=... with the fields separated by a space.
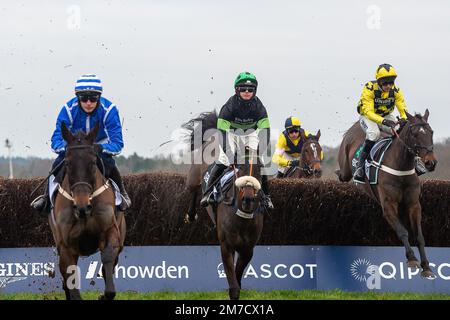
x=220 y=187
x=377 y=155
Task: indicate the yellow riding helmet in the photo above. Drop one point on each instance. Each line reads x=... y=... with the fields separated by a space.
x=385 y=71
x=292 y=122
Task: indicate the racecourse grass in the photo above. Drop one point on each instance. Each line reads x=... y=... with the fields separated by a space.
x=245 y=295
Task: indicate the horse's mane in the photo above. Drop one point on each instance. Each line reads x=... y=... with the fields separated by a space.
x=208 y=121
x=353 y=133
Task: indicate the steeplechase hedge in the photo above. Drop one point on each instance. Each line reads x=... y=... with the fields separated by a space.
x=320 y=212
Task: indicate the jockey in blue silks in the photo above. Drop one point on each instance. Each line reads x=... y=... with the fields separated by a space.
x=83 y=112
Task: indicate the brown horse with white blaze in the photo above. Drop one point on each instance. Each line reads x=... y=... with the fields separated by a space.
x=310 y=159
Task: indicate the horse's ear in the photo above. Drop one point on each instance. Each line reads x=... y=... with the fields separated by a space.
x=425 y=116
x=66 y=134
x=318 y=134
x=409 y=116
x=93 y=133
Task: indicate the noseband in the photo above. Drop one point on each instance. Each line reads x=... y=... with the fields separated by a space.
x=307 y=167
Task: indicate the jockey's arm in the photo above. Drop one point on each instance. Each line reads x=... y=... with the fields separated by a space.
x=400 y=102
x=277 y=157
x=113 y=130
x=368 y=104
x=223 y=126
x=58 y=143
x=263 y=127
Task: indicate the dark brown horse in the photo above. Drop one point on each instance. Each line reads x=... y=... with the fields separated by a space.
x=398 y=188
x=310 y=159
x=203 y=129
x=239 y=224
x=239 y=218
x=84 y=219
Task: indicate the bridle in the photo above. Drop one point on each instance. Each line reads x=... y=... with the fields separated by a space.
x=414 y=149
x=93 y=193
x=307 y=168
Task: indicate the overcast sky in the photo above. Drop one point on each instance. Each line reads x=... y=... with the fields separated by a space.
x=163 y=62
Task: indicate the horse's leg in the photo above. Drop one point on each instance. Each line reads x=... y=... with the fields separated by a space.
x=109 y=257
x=191 y=216
x=66 y=260
x=228 y=265
x=415 y=217
x=390 y=213
x=242 y=262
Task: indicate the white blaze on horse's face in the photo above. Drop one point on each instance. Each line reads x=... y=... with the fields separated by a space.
x=422 y=130
x=314 y=148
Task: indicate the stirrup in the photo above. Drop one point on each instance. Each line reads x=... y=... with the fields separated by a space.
x=39 y=206
x=125 y=204
x=208 y=199
x=268 y=203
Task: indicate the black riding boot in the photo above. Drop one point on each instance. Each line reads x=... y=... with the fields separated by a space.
x=215 y=173
x=266 y=196
x=126 y=201
x=359 y=172
x=42 y=203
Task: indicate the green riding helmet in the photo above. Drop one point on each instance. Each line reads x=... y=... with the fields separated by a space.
x=246 y=79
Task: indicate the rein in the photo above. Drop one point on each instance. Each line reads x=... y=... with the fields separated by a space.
x=306 y=167
x=415 y=149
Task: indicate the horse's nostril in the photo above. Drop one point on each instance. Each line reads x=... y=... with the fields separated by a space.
x=74 y=207
x=89 y=207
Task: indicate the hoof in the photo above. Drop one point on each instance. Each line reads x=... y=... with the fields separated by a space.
x=188 y=219
x=107 y=296
x=234 y=294
x=428 y=274
x=414 y=264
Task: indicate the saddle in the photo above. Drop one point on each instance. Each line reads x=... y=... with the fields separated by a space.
x=375 y=159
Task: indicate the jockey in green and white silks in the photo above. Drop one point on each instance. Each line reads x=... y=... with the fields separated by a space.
x=243 y=112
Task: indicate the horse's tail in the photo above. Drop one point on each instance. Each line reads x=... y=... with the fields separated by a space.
x=208 y=120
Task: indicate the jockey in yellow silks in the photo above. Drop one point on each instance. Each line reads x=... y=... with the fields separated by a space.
x=289 y=146
x=376 y=106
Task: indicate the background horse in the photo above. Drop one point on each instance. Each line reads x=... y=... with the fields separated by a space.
x=84 y=218
x=239 y=222
x=202 y=128
x=310 y=159
x=397 y=191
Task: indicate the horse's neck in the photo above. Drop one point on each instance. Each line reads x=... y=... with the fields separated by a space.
x=399 y=158
x=99 y=179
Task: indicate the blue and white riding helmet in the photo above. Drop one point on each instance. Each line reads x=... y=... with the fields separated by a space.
x=88 y=82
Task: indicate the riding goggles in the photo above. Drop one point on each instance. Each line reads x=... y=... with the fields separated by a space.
x=90 y=97
x=248 y=89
